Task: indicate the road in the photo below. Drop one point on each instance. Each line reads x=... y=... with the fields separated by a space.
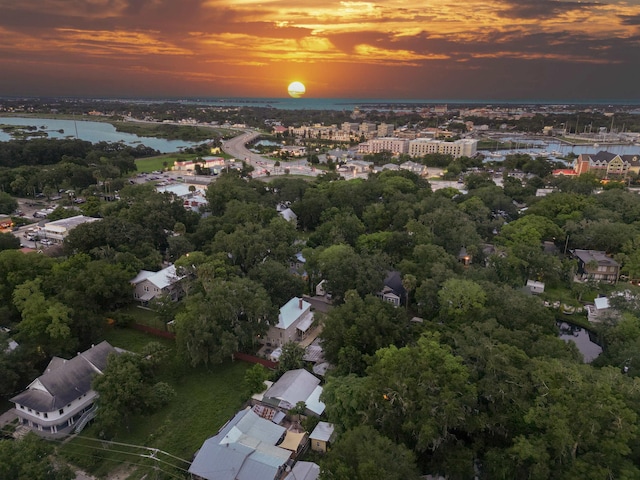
x=236 y=147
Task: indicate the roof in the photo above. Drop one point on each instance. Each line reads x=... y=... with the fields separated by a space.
x=244 y=449
x=161 y=279
x=289 y=215
x=601 y=258
x=291 y=312
x=71 y=222
x=601 y=303
x=305 y=323
x=297 y=386
x=304 y=471
x=65 y=380
x=323 y=432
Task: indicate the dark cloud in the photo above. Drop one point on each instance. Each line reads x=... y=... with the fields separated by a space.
x=532 y=9
x=630 y=19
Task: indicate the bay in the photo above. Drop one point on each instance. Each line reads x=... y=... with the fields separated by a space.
x=93 y=132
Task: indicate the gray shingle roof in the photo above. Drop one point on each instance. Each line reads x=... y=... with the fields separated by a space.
x=66 y=381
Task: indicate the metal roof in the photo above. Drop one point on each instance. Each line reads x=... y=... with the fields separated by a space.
x=244 y=449
x=297 y=386
x=292 y=311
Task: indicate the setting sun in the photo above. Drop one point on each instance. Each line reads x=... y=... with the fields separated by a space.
x=296 y=89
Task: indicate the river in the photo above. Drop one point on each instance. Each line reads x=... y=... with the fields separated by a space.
x=93 y=132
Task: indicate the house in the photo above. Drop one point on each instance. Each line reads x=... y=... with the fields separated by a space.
x=58 y=230
x=393 y=292
x=61 y=399
x=322 y=436
x=148 y=285
x=289 y=215
x=596 y=265
x=249 y=447
x=321 y=288
x=293 y=387
x=297 y=265
x=294 y=323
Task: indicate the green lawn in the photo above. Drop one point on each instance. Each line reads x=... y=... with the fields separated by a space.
x=143 y=316
x=151 y=164
x=206 y=398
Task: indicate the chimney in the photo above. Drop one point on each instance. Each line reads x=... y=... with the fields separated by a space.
x=300 y=304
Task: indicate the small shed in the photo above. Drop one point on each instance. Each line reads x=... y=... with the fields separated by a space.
x=322 y=436
x=534 y=287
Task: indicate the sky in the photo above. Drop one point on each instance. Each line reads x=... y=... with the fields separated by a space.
x=391 y=49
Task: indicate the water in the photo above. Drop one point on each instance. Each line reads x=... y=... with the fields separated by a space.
x=93 y=132
x=554 y=150
x=307 y=103
x=268 y=143
x=583 y=339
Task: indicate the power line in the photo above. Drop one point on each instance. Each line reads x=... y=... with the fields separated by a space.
x=130 y=463
x=152 y=455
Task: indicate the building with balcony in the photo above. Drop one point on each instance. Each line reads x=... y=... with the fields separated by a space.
x=61 y=398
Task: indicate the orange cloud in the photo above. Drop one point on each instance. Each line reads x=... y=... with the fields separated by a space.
x=220 y=47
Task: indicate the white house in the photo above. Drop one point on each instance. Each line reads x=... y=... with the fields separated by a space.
x=294 y=322
x=58 y=230
x=61 y=399
x=148 y=285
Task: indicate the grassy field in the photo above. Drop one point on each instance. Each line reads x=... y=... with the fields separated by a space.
x=143 y=316
x=206 y=398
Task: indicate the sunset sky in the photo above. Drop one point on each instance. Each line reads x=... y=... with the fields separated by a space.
x=396 y=49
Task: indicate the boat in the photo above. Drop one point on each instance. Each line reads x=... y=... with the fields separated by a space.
x=596 y=145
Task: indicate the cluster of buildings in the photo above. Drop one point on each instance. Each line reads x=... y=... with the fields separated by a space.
x=604 y=165
x=264 y=440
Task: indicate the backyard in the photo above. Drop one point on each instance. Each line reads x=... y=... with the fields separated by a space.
x=205 y=399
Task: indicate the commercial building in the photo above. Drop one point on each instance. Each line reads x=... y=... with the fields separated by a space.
x=58 y=230
x=396 y=146
x=458 y=148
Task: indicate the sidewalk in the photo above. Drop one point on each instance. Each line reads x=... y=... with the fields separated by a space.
x=8 y=417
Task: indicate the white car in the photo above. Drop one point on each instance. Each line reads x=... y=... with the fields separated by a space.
x=46 y=241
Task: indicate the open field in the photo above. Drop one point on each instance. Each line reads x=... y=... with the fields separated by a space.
x=205 y=399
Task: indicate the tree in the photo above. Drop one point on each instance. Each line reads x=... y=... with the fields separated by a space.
x=254 y=379
x=356 y=329
x=345 y=270
x=461 y=299
x=423 y=405
x=291 y=358
x=126 y=387
x=45 y=322
x=8 y=204
x=409 y=283
x=8 y=241
x=363 y=454
x=562 y=444
x=30 y=459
